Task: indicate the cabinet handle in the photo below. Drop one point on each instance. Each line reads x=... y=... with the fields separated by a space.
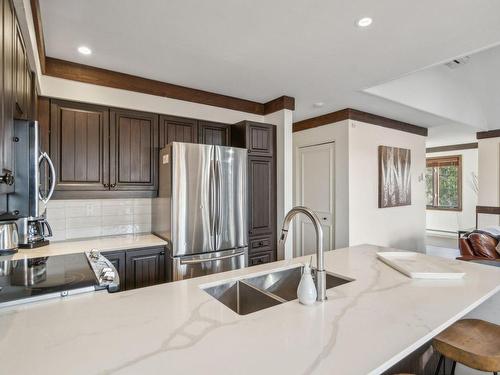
x=162 y=252
x=106 y=185
x=250 y=232
x=112 y=186
x=261 y=243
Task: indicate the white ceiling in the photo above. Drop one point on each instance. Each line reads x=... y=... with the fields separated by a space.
x=468 y=94
x=261 y=49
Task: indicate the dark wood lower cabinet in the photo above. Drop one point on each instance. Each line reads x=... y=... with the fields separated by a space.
x=139 y=268
x=145 y=267
x=260 y=258
x=117 y=258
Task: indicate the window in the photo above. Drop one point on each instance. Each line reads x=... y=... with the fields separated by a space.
x=443 y=180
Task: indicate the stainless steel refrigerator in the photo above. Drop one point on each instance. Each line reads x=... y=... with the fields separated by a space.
x=201 y=209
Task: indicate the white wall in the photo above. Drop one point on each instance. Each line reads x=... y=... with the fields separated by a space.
x=452 y=221
x=357 y=216
x=489 y=178
x=84 y=92
x=338 y=133
x=399 y=227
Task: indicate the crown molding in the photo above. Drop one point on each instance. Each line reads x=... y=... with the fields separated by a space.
x=354 y=114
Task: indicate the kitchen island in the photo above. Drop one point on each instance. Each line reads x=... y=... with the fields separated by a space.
x=365 y=326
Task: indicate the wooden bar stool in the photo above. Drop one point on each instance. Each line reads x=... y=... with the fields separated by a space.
x=471 y=342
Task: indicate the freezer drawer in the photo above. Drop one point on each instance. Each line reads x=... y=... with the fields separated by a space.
x=191 y=266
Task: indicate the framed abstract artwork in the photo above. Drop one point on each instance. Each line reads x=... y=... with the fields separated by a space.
x=394 y=177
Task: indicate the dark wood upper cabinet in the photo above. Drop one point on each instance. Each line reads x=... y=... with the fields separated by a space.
x=145 y=267
x=22 y=78
x=261 y=199
x=214 y=133
x=177 y=129
x=133 y=150
x=7 y=79
x=79 y=145
x=257 y=137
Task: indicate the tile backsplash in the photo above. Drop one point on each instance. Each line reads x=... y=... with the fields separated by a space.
x=72 y=219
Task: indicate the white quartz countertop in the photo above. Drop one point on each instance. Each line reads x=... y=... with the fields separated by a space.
x=364 y=327
x=108 y=243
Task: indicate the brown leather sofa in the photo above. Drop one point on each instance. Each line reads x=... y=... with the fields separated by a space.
x=478 y=246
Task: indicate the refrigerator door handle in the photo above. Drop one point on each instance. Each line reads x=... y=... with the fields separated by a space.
x=197 y=261
x=218 y=199
x=52 y=177
x=211 y=186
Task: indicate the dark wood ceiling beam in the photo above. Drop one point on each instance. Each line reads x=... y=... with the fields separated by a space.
x=488 y=134
x=314 y=122
x=463 y=146
x=103 y=77
x=283 y=102
x=354 y=114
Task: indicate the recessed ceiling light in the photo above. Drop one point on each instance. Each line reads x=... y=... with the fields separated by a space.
x=364 y=22
x=84 y=50
x=318 y=104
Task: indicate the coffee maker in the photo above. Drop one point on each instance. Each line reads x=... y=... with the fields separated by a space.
x=29 y=200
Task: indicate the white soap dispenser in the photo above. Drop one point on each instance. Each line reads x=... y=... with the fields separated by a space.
x=306 y=292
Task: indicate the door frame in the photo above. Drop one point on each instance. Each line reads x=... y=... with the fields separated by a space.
x=299 y=190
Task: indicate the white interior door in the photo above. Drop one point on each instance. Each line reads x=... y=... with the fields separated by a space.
x=315 y=188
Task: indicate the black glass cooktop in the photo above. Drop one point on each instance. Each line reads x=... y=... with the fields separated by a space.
x=37 y=277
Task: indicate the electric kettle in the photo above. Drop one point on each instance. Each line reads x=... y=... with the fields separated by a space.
x=9 y=238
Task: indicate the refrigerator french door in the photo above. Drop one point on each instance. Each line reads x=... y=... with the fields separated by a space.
x=201 y=209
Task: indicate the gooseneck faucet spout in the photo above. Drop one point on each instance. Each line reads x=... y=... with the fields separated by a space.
x=320 y=255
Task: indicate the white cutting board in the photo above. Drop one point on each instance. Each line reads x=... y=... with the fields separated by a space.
x=419 y=266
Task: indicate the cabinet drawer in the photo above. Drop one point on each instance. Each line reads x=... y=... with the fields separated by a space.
x=260 y=244
x=260 y=258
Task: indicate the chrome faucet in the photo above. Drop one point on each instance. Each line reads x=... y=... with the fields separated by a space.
x=320 y=254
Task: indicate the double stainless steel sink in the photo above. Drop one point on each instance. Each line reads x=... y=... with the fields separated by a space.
x=246 y=296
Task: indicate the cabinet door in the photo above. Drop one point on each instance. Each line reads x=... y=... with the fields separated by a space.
x=2 y=126
x=177 y=129
x=145 y=267
x=21 y=62
x=117 y=258
x=7 y=74
x=261 y=200
x=79 y=145
x=260 y=139
x=214 y=133
x=133 y=150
